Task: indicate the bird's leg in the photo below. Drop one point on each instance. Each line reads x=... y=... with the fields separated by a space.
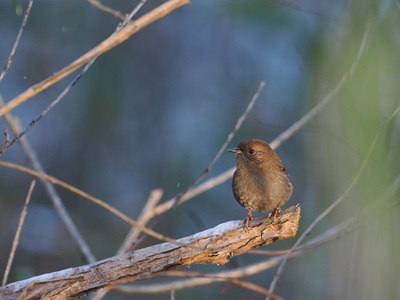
x=275 y=213
x=248 y=219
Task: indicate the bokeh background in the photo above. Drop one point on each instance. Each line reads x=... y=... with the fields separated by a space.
x=152 y=113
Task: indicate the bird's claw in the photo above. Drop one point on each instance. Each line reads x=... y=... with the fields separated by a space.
x=246 y=222
x=277 y=211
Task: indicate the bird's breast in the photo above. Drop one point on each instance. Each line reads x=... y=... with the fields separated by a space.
x=261 y=191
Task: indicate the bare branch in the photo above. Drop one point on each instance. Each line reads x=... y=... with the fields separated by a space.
x=16 y=43
x=154 y=198
x=136 y=9
x=213 y=246
x=18 y=233
x=105 y=46
x=157 y=288
x=106 y=9
x=238 y=125
x=294 y=128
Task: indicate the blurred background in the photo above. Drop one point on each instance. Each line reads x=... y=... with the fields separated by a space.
x=153 y=112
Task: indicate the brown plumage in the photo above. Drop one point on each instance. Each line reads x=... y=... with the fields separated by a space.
x=260 y=182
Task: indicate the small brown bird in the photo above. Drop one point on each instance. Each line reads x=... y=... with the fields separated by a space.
x=260 y=182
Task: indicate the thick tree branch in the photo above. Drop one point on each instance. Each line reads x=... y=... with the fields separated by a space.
x=213 y=246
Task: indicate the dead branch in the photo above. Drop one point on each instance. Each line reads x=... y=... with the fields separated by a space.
x=213 y=246
x=18 y=233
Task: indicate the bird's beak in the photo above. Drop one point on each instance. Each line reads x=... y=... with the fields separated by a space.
x=235 y=150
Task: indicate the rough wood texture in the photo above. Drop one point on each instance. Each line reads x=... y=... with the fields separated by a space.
x=213 y=246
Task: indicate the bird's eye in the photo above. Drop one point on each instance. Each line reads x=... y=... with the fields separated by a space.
x=251 y=151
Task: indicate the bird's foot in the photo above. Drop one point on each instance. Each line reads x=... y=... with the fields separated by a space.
x=246 y=222
x=276 y=212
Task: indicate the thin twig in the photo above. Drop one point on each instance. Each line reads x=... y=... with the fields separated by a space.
x=136 y=9
x=246 y=271
x=329 y=235
x=49 y=107
x=18 y=233
x=106 y=9
x=309 y=9
x=336 y=202
x=103 y=292
x=317 y=109
x=154 y=198
x=231 y=135
x=16 y=43
x=201 y=188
